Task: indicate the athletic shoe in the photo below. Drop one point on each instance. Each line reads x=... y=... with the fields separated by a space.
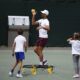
x=76 y=76
x=45 y=62
x=19 y=76
x=10 y=73
x=41 y=63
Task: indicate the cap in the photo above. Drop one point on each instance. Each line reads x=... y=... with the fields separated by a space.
x=45 y=12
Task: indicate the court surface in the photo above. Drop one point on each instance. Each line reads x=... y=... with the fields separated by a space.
x=59 y=57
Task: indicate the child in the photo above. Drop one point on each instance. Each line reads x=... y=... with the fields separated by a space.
x=75 y=42
x=19 y=47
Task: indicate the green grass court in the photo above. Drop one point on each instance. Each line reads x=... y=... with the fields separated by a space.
x=59 y=57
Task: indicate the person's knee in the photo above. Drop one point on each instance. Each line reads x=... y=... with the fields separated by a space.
x=17 y=61
x=36 y=50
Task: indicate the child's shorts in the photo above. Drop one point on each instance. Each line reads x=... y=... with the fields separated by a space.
x=19 y=55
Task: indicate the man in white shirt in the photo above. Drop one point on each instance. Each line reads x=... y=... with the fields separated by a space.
x=75 y=43
x=19 y=48
x=43 y=28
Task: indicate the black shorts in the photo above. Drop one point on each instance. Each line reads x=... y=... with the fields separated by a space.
x=41 y=42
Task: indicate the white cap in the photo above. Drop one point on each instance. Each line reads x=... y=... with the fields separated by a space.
x=45 y=12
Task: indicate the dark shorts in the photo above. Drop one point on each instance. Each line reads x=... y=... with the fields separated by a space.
x=41 y=42
x=20 y=55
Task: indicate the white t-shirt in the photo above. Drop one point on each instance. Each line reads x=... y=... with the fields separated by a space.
x=19 y=40
x=75 y=46
x=42 y=32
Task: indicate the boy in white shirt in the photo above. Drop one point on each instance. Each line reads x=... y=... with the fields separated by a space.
x=19 y=47
x=75 y=42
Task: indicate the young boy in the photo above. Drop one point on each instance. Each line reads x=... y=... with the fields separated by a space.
x=19 y=47
x=75 y=42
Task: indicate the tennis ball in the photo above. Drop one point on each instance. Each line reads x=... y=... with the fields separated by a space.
x=33 y=10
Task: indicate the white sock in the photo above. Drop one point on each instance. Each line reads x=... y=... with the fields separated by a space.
x=44 y=59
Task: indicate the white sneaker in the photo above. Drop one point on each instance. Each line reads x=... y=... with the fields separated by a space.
x=19 y=76
x=41 y=63
x=45 y=62
x=10 y=73
x=76 y=76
